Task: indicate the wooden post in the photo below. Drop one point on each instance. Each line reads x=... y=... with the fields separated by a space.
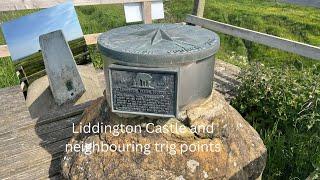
x=147 y=18
x=198 y=7
x=24 y=81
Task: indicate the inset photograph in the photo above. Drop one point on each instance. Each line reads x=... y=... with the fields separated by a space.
x=23 y=42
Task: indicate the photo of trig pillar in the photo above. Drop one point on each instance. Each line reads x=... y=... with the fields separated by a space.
x=64 y=78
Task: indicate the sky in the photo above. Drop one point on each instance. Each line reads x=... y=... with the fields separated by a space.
x=22 y=34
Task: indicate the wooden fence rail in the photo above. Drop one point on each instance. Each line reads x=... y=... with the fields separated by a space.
x=12 y=5
x=302 y=49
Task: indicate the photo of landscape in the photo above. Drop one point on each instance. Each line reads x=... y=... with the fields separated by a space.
x=22 y=35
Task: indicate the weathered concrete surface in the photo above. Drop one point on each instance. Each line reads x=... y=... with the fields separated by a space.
x=40 y=100
x=64 y=78
x=226 y=79
x=242 y=154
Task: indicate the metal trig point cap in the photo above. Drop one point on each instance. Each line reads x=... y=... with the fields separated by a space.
x=158 y=45
x=157 y=69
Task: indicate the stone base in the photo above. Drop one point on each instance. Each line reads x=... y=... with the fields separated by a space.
x=40 y=100
x=239 y=152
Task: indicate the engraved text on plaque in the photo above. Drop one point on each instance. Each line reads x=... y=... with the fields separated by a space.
x=143 y=91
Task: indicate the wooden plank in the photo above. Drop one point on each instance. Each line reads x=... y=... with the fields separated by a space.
x=25 y=160
x=34 y=140
x=46 y=170
x=32 y=148
x=4 y=51
x=11 y=142
x=147 y=17
x=33 y=152
x=32 y=155
x=35 y=169
x=24 y=120
x=12 y=5
x=91 y=38
x=13 y=110
x=15 y=151
x=198 y=7
x=26 y=150
x=34 y=76
x=55 y=127
x=302 y=49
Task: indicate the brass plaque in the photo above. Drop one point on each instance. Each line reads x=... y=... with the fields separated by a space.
x=143 y=91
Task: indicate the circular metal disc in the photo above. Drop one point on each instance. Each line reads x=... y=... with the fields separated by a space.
x=158 y=44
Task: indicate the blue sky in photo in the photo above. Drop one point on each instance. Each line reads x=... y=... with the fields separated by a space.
x=22 y=34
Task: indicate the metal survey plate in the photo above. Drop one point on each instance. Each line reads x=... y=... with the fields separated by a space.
x=143 y=91
x=158 y=44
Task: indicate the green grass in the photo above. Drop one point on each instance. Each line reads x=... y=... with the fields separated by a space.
x=7 y=73
x=284 y=20
x=281 y=20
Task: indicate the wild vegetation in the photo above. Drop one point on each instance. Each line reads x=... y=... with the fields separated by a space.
x=283 y=105
x=7 y=73
x=279 y=94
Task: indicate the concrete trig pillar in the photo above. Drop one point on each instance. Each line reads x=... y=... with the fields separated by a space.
x=64 y=79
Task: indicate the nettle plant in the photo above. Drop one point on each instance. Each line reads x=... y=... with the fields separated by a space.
x=283 y=105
